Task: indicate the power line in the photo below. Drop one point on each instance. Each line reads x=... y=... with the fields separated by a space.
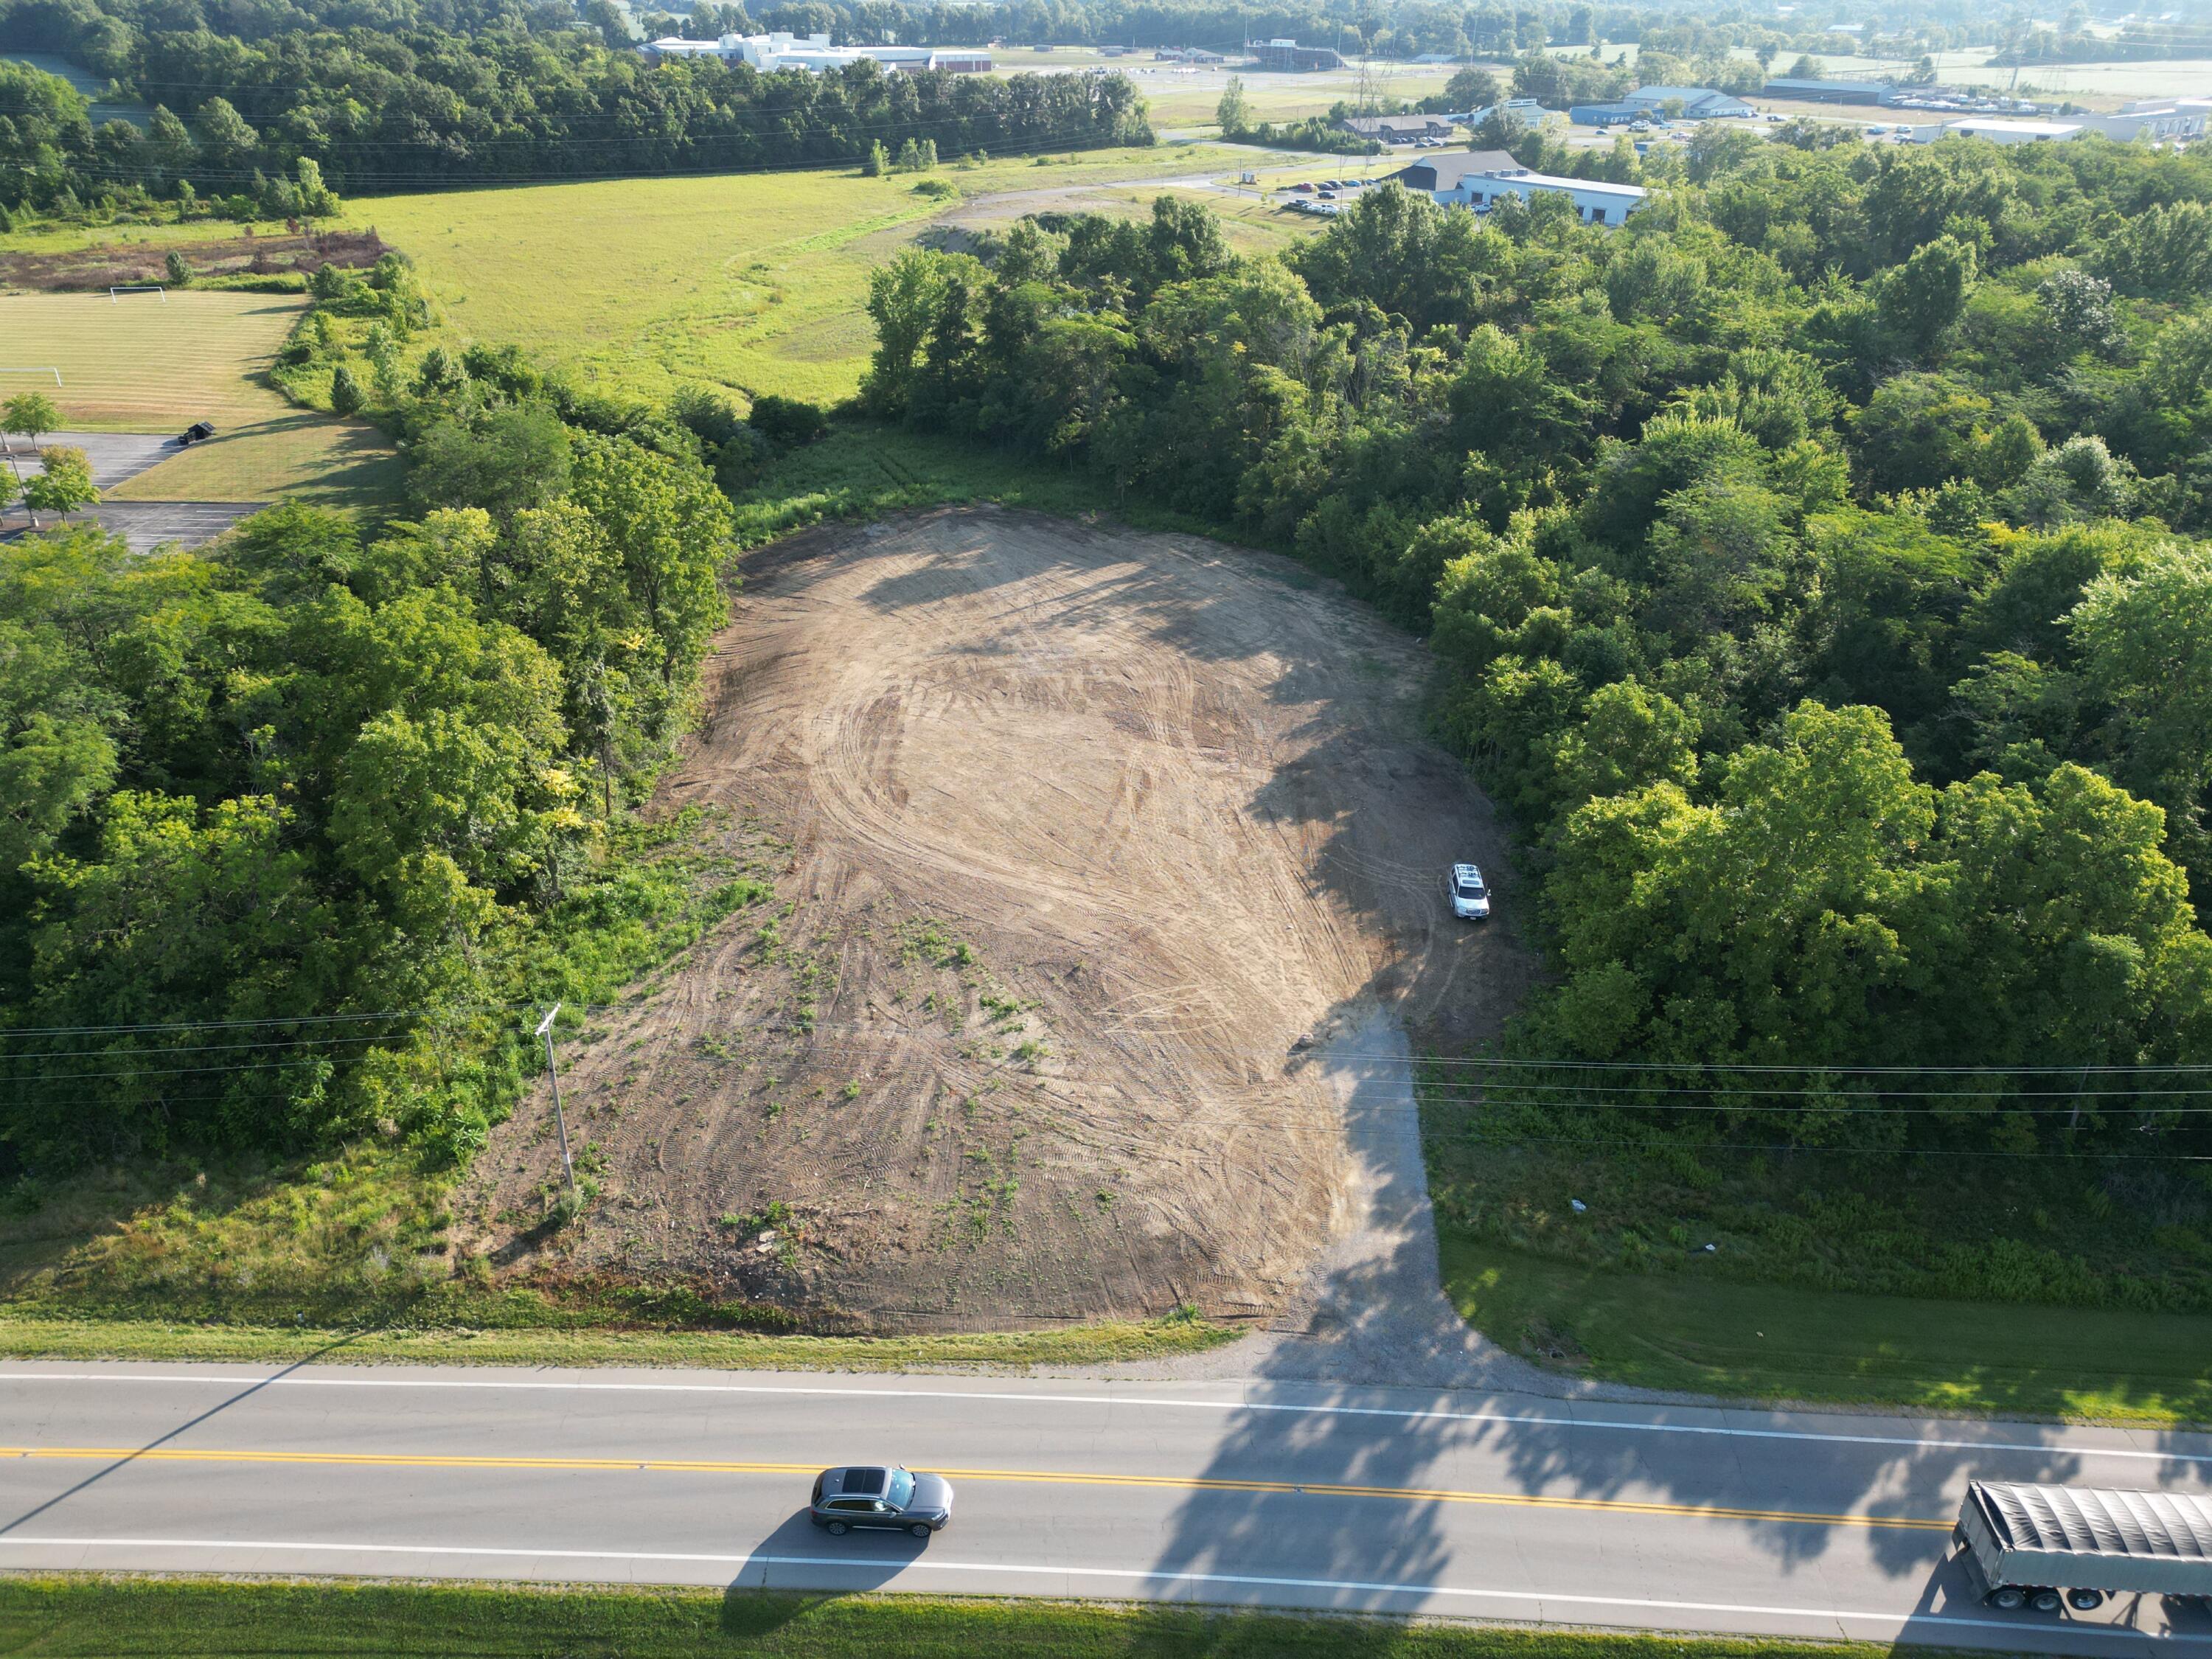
x=1511 y=1094
x=1320 y=1053
x=8 y=1032
x=192 y=1049
x=1695 y=1147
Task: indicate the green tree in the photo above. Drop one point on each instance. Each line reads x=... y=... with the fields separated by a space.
x=227 y=141
x=1764 y=925
x=317 y=199
x=2145 y=640
x=170 y=143
x=346 y=394
x=30 y=415
x=502 y=460
x=1921 y=299
x=182 y=912
x=1404 y=255
x=440 y=374
x=1234 y=112
x=1630 y=737
x=63 y=485
x=670 y=528
x=904 y=299
x=1470 y=89
x=1918 y=430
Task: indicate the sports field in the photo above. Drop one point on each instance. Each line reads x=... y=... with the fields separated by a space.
x=751 y=281
x=157 y=363
x=1181 y=96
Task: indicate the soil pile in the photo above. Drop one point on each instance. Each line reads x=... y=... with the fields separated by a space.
x=1086 y=838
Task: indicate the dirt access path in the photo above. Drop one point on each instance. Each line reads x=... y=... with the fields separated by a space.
x=1089 y=842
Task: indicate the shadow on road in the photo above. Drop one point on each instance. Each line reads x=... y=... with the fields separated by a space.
x=1422 y=1403
x=185 y=1427
x=800 y=1555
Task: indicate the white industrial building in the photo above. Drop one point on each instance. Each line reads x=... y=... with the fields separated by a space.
x=769 y=52
x=1480 y=178
x=2179 y=120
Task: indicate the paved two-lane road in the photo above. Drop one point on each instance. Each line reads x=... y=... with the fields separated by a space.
x=1485 y=1506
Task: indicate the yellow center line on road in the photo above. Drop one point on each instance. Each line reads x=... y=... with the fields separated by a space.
x=1031 y=1477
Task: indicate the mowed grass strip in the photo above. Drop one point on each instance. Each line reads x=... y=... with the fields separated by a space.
x=757 y=281
x=298 y=455
x=44 y=1335
x=1785 y=1342
x=151 y=363
x=79 y=1616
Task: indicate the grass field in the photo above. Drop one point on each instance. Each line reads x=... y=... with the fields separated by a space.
x=298 y=454
x=1183 y=98
x=2104 y=86
x=49 y=237
x=156 y=364
x=1786 y=1342
x=79 y=1616
x=754 y=280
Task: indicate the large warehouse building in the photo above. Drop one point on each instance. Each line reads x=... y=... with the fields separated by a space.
x=769 y=52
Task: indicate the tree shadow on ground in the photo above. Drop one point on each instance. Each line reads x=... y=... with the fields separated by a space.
x=1386 y=1387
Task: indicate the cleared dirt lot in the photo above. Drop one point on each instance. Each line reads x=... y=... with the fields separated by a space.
x=1082 y=839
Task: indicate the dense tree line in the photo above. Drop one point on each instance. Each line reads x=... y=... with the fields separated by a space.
x=383 y=110
x=315 y=774
x=1486 y=28
x=1814 y=565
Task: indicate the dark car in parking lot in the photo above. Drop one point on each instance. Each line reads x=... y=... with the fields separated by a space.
x=885 y=1499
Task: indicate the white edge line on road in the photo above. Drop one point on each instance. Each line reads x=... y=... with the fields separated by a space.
x=1127 y=1575
x=1408 y=1414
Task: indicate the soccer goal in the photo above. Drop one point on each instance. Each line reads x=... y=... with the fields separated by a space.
x=115 y=294
x=56 y=373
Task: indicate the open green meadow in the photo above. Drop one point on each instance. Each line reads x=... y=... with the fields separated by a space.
x=156 y=363
x=50 y=236
x=1180 y=98
x=171 y=1618
x=2103 y=86
x=754 y=281
x=1687 y=1331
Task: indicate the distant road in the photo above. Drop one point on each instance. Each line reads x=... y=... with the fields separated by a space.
x=1495 y=1507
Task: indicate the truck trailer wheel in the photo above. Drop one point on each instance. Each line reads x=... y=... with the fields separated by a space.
x=2044 y=1600
x=2085 y=1600
x=2007 y=1596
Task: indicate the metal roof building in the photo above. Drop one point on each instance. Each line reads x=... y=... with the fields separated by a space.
x=1480 y=178
x=1607 y=115
x=1831 y=92
x=1699 y=103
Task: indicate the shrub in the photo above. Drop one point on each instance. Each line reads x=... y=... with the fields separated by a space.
x=788 y=420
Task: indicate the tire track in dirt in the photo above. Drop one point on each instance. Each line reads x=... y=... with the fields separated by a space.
x=1081 y=834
